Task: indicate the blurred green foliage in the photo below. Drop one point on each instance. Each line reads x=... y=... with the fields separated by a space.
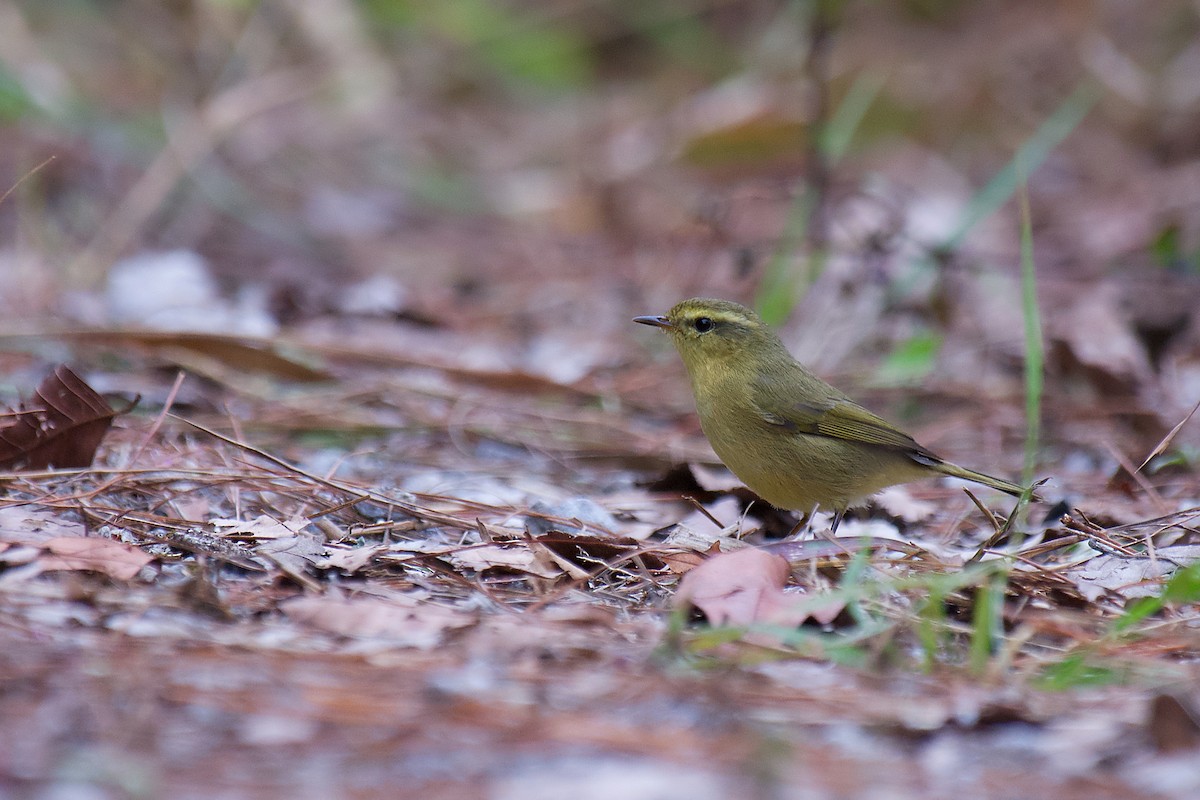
x=505 y=40
x=911 y=360
x=14 y=102
x=1081 y=670
x=1169 y=252
x=556 y=48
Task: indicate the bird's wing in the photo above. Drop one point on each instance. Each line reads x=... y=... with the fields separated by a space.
x=835 y=417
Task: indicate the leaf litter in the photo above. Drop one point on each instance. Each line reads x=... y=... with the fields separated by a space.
x=401 y=588
x=224 y=545
x=553 y=587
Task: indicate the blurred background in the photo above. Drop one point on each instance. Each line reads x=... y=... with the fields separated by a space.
x=504 y=183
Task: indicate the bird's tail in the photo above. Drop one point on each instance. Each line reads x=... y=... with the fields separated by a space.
x=955 y=471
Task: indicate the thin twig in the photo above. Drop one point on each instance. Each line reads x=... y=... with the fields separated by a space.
x=158 y=421
x=24 y=178
x=1162 y=446
x=1136 y=474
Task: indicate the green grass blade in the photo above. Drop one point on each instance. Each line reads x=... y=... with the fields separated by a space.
x=781 y=287
x=1034 y=343
x=836 y=136
x=1077 y=671
x=1028 y=158
x=778 y=292
x=931 y=622
x=986 y=622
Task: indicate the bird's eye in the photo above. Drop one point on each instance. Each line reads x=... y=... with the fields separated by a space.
x=703 y=325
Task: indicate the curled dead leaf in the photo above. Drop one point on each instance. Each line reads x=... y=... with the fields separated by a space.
x=746 y=587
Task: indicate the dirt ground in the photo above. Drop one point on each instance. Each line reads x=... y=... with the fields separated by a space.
x=334 y=466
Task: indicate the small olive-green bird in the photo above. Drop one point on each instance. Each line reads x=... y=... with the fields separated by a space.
x=791 y=437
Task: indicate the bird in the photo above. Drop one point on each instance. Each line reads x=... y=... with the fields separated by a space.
x=795 y=440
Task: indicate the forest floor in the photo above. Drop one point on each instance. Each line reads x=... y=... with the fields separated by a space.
x=397 y=501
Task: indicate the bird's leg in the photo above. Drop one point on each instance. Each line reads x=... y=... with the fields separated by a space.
x=837 y=520
x=805 y=524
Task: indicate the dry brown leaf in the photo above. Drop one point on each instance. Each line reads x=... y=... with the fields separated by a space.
x=247 y=354
x=680 y=563
x=1127 y=577
x=261 y=527
x=61 y=426
x=493 y=556
x=285 y=543
x=549 y=559
x=1097 y=330
x=585 y=549
x=115 y=559
x=1173 y=724
x=763 y=135
x=28 y=525
x=349 y=559
x=511 y=556
x=193 y=509
x=294 y=555
x=1130 y=577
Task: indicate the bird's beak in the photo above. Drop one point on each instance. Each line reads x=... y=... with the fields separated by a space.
x=658 y=322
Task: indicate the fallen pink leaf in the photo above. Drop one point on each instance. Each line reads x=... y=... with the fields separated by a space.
x=115 y=559
x=746 y=587
x=35 y=526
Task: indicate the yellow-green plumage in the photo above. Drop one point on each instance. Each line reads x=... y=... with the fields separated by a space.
x=790 y=436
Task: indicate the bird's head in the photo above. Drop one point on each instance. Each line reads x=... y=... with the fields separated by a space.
x=710 y=333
